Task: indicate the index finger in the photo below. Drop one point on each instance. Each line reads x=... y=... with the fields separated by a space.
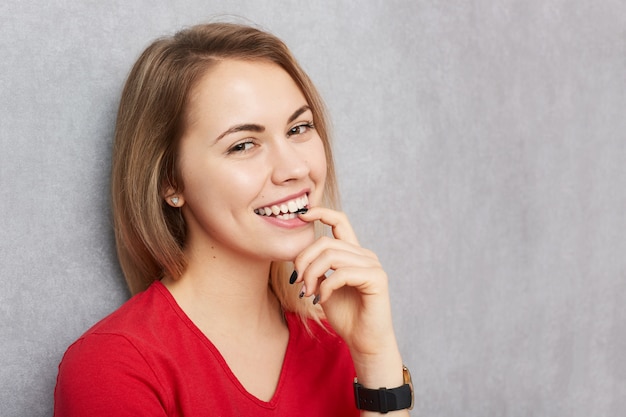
x=337 y=220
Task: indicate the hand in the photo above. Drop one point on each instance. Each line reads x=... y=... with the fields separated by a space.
x=355 y=295
x=355 y=299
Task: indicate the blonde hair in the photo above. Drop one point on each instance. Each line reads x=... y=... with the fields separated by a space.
x=149 y=233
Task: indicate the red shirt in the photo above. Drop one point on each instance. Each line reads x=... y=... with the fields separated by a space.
x=149 y=359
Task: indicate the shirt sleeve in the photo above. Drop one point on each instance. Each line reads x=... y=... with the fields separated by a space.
x=106 y=375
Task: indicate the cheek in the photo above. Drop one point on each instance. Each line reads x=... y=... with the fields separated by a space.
x=317 y=163
x=222 y=186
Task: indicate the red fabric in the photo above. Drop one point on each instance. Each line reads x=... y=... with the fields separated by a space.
x=149 y=359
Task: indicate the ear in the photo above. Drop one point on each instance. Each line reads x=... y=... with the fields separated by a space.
x=172 y=197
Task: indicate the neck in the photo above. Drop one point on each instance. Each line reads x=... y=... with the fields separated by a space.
x=221 y=291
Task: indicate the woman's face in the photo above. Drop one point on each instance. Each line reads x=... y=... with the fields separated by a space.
x=249 y=153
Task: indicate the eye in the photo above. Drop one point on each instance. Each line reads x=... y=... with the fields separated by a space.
x=241 y=147
x=300 y=129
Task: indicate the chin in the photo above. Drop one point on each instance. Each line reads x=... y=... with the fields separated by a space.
x=290 y=248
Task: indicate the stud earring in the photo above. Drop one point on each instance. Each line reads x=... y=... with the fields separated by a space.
x=174 y=200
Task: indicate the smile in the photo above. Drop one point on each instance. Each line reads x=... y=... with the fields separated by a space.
x=286 y=210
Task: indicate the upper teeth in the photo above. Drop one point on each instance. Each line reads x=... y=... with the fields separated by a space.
x=290 y=206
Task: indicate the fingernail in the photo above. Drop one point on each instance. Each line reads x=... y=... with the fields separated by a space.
x=293 y=277
x=316 y=299
x=302 y=210
x=302 y=292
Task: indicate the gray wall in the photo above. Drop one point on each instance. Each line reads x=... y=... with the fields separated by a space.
x=481 y=150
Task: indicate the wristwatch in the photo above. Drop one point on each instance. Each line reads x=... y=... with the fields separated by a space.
x=384 y=400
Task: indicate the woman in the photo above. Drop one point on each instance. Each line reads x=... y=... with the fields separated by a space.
x=221 y=168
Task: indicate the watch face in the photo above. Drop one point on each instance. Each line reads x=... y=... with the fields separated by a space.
x=407 y=380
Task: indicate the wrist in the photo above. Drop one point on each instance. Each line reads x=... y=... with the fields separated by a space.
x=384 y=399
x=379 y=370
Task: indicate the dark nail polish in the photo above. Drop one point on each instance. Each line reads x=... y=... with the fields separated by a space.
x=302 y=291
x=316 y=299
x=293 y=277
x=302 y=210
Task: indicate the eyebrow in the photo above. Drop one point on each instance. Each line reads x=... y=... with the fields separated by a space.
x=297 y=113
x=247 y=127
x=252 y=127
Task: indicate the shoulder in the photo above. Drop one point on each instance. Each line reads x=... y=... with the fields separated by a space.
x=118 y=354
x=98 y=372
x=129 y=331
x=122 y=334
x=312 y=328
x=100 y=357
x=318 y=338
x=132 y=316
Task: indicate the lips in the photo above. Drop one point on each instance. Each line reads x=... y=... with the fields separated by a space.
x=285 y=210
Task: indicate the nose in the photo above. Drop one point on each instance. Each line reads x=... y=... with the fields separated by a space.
x=288 y=161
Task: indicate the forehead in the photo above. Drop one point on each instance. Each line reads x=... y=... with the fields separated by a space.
x=235 y=91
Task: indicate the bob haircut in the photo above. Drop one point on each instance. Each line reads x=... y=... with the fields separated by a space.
x=150 y=234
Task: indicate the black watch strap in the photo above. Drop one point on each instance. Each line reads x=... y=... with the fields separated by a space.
x=383 y=400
